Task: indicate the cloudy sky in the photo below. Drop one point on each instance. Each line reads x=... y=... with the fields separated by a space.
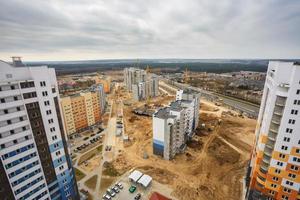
x=102 y=29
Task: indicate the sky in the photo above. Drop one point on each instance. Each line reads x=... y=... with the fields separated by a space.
x=40 y=30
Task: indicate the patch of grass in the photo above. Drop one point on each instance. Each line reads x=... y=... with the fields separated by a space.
x=109 y=170
x=79 y=174
x=99 y=148
x=91 y=183
x=90 y=154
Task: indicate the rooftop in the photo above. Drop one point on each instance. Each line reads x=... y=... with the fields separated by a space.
x=164 y=113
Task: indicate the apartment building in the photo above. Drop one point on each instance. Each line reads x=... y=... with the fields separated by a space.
x=35 y=161
x=133 y=76
x=82 y=110
x=274 y=170
x=141 y=84
x=194 y=97
x=173 y=127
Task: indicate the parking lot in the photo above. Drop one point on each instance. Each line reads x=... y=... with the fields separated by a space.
x=124 y=193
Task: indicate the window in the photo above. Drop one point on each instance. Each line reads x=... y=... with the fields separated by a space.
x=275 y=178
x=15 y=98
x=57 y=153
x=294 y=112
x=280 y=163
x=47 y=103
x=48 y=112
x=52 y=129
x=273 y=185
x=54 y=137
x=27 y=84
x=297 y=150
x=18 y=108
x=289 y=183
x=292 y=175
x=24 y=128
x=292 y=121
x=53 y=90
x=8 y=121
x=5 y=111
x=42 y=83
x=45 y=93
x=295 y=159
x=29 y=95
x=12 y=132
x=284 y=147
x=277 y=171
x=286 y=139
x=289 y=130
x=298 y=92
x=2 y=100
x=281 y=155
x=283 y=197
x=295 y=168
x=50 y=121
x=12 y=87
x=287 y=190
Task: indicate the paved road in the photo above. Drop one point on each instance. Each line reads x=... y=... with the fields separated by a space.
x=244 y=106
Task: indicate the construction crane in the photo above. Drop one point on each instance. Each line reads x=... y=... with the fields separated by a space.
x=148 y=70
x=186 y=76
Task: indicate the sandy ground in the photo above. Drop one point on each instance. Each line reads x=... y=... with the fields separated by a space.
x=214 y=163
x=91 y=164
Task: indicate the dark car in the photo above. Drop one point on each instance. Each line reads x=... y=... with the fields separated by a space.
x=138 y=196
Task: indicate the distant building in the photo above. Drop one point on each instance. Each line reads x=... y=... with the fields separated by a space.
x=141 y=84
x=34 y=157
x=190 y=95
x=274 y=170
x=82 y=110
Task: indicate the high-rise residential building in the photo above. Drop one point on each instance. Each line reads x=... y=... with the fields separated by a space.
x=133 y=76
x=141 y=84
x=82 y=110
x=172 y=128
x=190 y=95
x=274 y=170
x=35 y=163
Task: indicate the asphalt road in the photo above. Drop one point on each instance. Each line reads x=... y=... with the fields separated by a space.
x=243 y=106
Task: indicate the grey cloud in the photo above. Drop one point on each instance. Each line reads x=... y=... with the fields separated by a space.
x=139 y=28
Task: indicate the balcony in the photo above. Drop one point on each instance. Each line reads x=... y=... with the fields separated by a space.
x=280 y=101
x=275 y=121
x=270 y=144
x=268 y=151
x=263 y=169
x=272 y=136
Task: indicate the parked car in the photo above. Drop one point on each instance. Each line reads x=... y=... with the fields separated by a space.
x=119 y=185
x=116 y=189
x=110 y=192
x=106 y=197
x=138 y=196
x=132 y=189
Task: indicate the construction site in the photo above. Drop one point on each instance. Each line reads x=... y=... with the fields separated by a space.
x=213 y=165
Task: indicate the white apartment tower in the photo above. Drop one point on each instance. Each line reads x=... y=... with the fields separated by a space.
x=34 y=158
x=194 y=97
x=172 y=128
x=274 y=171
x=141 y=84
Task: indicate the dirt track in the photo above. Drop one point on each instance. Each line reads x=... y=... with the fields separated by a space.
x=212 y=170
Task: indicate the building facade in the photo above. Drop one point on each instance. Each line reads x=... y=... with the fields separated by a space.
x=173 y=127
x=189 y=95
x=82 y=110
x=274 y=170
x=35 y=161
x=141 y=84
